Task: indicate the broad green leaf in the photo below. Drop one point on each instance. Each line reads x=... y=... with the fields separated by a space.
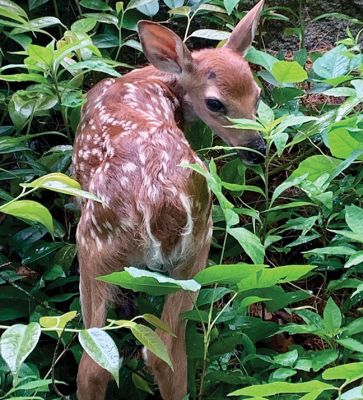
x=244 y=123
x=152 y=342
x=58 y=322
x=83 y=25
x=230 y=5
x=137 y=3
x=332 y=250
x=352 y=394
x=349 y=372
x=153 y=283
x=102 y=349
x=149 y=9
x=226 y=274
x=22 y=77
x=13 y=7
x=250 y=243
x=354 y=218
x=271 y=389
x=332 y=317
x=259 y=57
x=332 y=64
x=340 y=91
x=351 y=344
x=42 y=55
x=17 y=342
x=288 y=72
x=61 y=183
x=98 y=5
x=342 y=139
x=211 y=34
x=354 y=259
x=174 y=3
x=29 y=210
x=272 y=276
x=316 y=166
x=208 y=296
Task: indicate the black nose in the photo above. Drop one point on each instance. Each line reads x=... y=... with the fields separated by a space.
x=257 y=156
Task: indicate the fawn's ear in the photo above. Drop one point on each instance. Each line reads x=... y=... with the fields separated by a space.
x=244 y=33
x=163 y=48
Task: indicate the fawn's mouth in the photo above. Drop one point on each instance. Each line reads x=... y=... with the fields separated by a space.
x=255 y=156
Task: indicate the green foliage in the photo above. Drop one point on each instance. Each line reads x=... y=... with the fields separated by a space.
x=287 y=253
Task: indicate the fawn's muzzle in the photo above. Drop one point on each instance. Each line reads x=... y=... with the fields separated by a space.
x=257 y=156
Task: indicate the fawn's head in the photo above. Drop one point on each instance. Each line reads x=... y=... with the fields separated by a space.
x=217 y=83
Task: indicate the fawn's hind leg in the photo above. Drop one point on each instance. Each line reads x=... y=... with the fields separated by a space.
x=173 y=384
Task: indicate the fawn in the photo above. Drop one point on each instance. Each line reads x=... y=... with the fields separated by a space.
x=154 y=212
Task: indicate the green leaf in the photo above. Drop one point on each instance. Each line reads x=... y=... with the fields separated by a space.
x=351 y=344
x=316 y=166
x=290 y=182
x=259 y=57
x=102 y=349
x=332 y=317
x=354 y=259
x=149 y=9
x=84 y=25
x=250 y=243
x=157 y=322
x=58 y=322
x=137 y=3
x=288 y=72
x=340 y=91
x=349 y=372
x=17 y=342
x=226 y=274
x=354 y=218
x=211 y=34
x=174 y=3
x=23 y=78
x=29 y=210
x=41 y=55
x=61 y=183
x=152 y=342
x=140 y=383
x=229 y=5
x=271 y=389
x=332 y=64
x=271 y=276
x=98 y=5
x=153 y=283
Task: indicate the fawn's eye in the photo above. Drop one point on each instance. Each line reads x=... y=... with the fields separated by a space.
x=214 y=104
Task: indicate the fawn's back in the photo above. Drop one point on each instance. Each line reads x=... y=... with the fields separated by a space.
x=128 y=153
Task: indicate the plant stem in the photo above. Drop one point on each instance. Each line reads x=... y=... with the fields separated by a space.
x=57 y=91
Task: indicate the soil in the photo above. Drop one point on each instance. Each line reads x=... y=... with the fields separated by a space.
x=320 y=34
